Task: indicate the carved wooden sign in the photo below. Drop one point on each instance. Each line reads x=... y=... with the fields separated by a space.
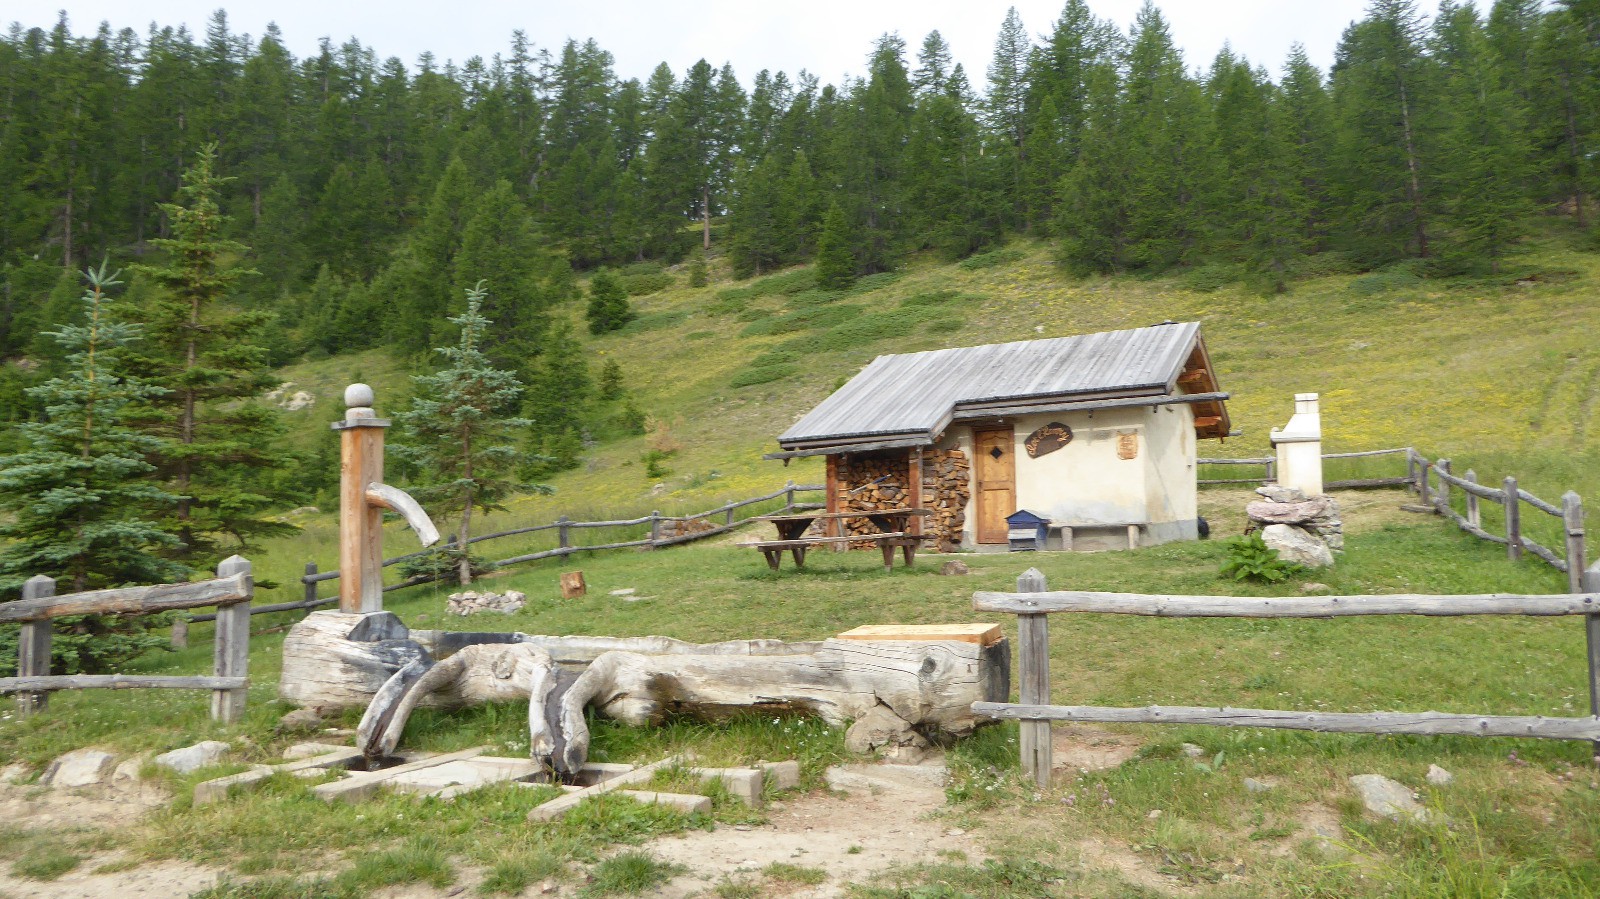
x=1048 y=439
x=1127 y=445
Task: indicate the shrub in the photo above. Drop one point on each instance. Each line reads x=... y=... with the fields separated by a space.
x=443 y=563
x=644 y=284
x=764 y=374
x=931 y=298
x=1400 y=276
x=946 y=325
x=1250 y=559
x=990 y=259
x=1209 y=278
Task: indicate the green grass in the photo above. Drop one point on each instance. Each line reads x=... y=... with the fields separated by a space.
x=629 y=874
x=45 y=863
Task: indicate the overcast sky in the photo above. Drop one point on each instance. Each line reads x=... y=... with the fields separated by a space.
x=831 y=38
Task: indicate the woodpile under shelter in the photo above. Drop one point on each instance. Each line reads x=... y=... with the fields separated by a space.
x=1096 y=433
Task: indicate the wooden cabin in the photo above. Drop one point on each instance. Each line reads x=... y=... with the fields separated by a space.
x=1097 y=432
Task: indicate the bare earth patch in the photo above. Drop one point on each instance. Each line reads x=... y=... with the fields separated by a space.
x=871 y=828
x=1081 y=748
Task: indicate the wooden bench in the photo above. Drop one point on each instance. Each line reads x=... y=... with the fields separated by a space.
x=907 y=543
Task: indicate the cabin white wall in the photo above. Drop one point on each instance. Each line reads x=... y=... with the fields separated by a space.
x=1087 y=481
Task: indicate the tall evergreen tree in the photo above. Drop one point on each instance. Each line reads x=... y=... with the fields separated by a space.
x=458 y=431
x=608 y=303
x=82 y=507
x=214 y=438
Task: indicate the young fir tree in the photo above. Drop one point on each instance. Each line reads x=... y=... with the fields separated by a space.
x=215 y=442
x=836 y=263
x=608 y=303
x=458 y=432
x=79 y=504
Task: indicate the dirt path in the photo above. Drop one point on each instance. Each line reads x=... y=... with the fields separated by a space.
x=886 y=816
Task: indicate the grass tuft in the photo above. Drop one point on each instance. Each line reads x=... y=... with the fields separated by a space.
x=629 y=874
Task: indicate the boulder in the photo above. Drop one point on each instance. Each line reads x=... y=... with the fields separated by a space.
x=299 y=720
x=79 y=768
x=1297 y=546
x=1439 y=777
x=954 y=566
x=1282 y=494
x=881 y=728
x=1391 y=799
x=190 y=759
x=1268 y=512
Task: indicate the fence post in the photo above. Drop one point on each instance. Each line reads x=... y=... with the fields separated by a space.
x=728 y=519
x=1272 y=472
x=1033 y=676
x=564 y=531
x=1444 y=486
x=1474 y=516
x=309 y=597
x=1424 y=490
x=1591 y=584
x=1411 y=469
x=233 y=644
x=788 y=499
x=180 y=631
x=33 y=645
x=1572 y=519
x=1513 y=520
x=655 y=528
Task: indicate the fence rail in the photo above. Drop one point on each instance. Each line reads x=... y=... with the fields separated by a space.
x=231 y=591
x=566 y=546
x=1034 y=602
x=1270 y=470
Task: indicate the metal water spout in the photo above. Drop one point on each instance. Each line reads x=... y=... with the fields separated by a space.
x=362 y=498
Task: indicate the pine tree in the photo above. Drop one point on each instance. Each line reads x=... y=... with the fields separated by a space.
x=457 y=430
x=79 y=502
x=608 y=303
x=201 y=353
x=1092 y=205
x=836 y=264
x=560 y=392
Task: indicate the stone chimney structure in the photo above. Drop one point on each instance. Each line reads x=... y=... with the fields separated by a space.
x=1299 y=447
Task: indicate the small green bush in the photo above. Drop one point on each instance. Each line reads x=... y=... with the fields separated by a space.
x=764 y=374
x=930 y=298
x=946 y=325
x=1213 y=277
x=629 y=874
x=1400 y=276
x=990 y=259
x=877 y=281
x=1250 y=559
x=645 y=284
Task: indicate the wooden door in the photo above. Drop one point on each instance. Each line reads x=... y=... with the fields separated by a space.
x=996 y=475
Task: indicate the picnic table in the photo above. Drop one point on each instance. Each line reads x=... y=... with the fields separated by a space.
x=893 y=533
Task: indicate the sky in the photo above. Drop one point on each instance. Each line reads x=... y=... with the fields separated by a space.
x=830 y=38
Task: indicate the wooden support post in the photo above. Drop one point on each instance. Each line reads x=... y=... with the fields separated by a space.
x=309 y=594
x=232 y=646
x=180 y=631
x=33 y=645
x=1271 y=473
x=564 y=532
x=914 y=466
x=655 y=527
x=1424 y=489
x=1513 y=520
x=1444 y=485
x=1474 y=514
x=831 y=526
x=1411 y=470
x=360 y=522
x=1591 y=584
x=1572 y=522
x=1033 y=677
x=788 y=497
x=728 y=520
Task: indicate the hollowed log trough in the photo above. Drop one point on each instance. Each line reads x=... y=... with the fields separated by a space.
x=340 y=660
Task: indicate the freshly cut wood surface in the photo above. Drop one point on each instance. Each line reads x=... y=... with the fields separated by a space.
x=981 y=634
x=1325 y=722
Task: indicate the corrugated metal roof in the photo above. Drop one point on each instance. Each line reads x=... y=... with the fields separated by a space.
x=914 y=394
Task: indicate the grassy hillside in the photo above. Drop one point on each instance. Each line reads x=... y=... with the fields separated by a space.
x=1501 y=376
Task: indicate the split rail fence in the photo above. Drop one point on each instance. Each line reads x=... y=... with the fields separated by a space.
x=1270 y=470
x=231 y=592
x=1033 y=603
x=686 y=529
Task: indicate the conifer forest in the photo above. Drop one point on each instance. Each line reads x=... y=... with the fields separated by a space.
x=262 y=207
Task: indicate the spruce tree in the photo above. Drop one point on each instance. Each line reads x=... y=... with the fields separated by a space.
x=80 y=506
x=836 y=263
x=559 y=398
x=458 y=431
x=608 y=303
x=200 y=351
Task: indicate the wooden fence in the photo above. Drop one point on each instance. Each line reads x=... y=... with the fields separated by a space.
x=230 y=592
x=1269 y=474
x=1034 y=602
x=685 y=531
x=1512 y=498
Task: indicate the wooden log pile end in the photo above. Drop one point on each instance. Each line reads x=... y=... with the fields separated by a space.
x=946 y=488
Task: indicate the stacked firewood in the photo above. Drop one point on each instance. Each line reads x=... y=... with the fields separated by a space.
x=870 y=483
x=946 y=487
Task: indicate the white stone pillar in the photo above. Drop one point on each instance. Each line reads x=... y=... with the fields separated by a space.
x=1299 y=447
